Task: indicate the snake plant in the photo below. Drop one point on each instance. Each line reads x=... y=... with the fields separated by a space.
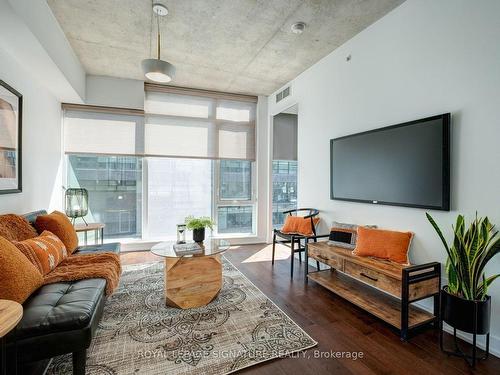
x=471 y=250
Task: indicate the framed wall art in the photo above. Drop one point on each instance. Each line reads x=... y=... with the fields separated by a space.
x=11 y=110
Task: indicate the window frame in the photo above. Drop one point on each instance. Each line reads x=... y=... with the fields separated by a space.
x=219 y=202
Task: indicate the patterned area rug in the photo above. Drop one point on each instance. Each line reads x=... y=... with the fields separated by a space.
x=140 y=335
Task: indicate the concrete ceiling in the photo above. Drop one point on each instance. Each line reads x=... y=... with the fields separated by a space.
x=242 y=46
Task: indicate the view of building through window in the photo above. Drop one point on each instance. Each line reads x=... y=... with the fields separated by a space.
x=235 y=203
x=114 y=184
x=174 y=188
x=284 y=189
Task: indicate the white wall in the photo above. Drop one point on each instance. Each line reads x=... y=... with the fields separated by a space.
x=43 y=24
x=426 y=57
x=41 y=147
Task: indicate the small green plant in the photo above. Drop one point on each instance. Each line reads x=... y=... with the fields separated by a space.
x=471 y=250
x=193 y=223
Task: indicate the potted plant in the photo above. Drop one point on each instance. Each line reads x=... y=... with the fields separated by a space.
x=465 y=303
x=198 y=225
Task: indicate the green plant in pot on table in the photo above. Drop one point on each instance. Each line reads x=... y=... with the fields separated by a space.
x=465 y=303
x=198 y=225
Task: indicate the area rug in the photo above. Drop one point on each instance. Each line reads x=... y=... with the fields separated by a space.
x=140 y=335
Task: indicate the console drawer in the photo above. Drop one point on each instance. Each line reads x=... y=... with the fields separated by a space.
x=373 y=277
x=325 y=256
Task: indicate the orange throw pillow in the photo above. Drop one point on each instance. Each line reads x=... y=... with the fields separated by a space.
x=16 y=228
x=299 y=225
x=59 y=224
x=383 y=244
x=19 y=278
x=45 y=251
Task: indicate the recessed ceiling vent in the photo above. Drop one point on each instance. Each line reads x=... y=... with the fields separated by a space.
x=283 y=94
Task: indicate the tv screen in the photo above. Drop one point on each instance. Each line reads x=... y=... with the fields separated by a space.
x=404 y=165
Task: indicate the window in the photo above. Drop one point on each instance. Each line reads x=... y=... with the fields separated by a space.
x=235 y=219
x=235 y=180
x=235 y=198
x=114 y=184
x=176 y=188
x=189 y=152
x=284 y=189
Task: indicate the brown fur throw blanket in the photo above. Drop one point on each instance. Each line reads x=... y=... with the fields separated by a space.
x=88 y=266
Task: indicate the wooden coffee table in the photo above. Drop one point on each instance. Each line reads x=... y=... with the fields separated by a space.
x=192 y=280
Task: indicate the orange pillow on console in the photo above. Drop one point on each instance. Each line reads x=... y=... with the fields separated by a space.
x=383 y=244
x=299 y=225
x=59 y=224
x=19 y=278
x=45 y=251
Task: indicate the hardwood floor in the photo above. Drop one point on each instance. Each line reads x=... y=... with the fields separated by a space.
x=336 y=324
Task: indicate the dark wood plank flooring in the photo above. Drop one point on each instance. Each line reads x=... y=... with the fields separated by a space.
x=337 y=325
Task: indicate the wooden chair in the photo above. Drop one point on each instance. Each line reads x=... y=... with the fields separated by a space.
x=297 y=242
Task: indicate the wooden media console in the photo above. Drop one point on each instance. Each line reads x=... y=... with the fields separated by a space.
x=384 y=289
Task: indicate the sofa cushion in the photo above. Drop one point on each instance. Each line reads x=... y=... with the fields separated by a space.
x=18 y=277
x=60 y=307
x=45 y=251
x=59 y=224
x=16 y=228
x=112 y=247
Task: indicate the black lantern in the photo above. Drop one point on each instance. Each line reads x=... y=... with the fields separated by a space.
x=77 y=203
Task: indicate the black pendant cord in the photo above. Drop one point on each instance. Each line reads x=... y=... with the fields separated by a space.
x=159 y=37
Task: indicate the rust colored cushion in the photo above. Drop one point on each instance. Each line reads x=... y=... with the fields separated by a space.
x=299 y=225
x=16 y=228
x=59 y=224
x=383 y=244
x=19 y=278
x=45 y=251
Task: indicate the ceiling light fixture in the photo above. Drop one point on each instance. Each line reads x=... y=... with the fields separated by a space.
x=158 y=70
x=298 y=27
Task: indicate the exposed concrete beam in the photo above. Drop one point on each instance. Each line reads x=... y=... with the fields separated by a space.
x=30 y=34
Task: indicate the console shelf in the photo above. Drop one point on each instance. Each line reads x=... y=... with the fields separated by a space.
x=377 y=303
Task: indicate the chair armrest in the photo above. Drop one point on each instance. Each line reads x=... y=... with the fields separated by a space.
x=311 y=215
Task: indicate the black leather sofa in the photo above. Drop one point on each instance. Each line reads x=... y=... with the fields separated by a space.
x=61 y=318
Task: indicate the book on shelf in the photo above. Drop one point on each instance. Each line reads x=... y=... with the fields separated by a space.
x=190 y=248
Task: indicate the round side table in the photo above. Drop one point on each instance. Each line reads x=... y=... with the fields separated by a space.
x=10 y=314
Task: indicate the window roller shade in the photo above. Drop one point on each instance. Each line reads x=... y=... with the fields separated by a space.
x=199 y=126
x=103 y=133
x=208 y=126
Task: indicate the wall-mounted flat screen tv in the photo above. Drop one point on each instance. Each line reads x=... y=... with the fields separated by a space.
x=403 y=165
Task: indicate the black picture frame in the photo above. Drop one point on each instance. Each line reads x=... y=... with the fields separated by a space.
x=18 y=149
x=445 y=171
